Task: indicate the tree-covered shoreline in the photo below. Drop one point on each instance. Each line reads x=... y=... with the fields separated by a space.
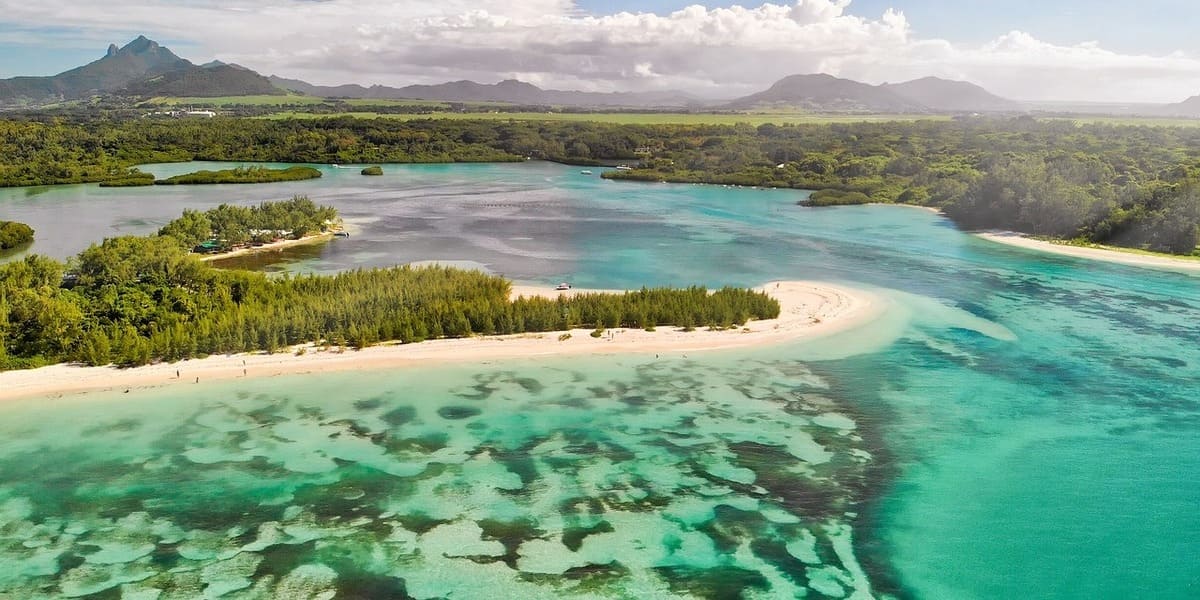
x=136 y=300
x=1118 y=185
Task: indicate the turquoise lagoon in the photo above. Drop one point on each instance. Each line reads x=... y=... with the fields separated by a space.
x=1016 y=426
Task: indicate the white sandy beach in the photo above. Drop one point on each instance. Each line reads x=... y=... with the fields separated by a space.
x=808 y=309
x=1115 y=256
x=271 y=247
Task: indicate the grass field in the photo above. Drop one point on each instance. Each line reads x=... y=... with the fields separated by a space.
x=263 y=100
x=1132 y=121
x=625 y=118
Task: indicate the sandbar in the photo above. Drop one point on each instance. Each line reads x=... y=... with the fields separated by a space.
x=808 y=310
x=1131 y=258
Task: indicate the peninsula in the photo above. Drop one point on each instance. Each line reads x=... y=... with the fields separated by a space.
x=807 y=310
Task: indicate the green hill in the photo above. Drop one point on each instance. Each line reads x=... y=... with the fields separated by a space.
x=118 y=68
x=205 y=82
x=140 y=68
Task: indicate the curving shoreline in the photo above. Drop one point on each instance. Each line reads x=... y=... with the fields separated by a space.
x=808 y=310
x=1134 y=259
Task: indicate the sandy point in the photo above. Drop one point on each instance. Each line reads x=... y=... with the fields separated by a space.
x=1131 y=258
x=808 y=310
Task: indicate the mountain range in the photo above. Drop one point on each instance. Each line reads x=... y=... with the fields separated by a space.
x=144 y=69
x=509 y=90
x=140 y=68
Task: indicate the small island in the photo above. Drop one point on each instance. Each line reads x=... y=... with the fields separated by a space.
x=14 y=234
x=835 y=198
x=375 y=170
x=133 y=178
x=253 y=174
x=229 y=230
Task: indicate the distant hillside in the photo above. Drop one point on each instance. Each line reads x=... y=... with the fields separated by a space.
x=509 y=91
x=119 y=67
x=140 y=68
x=827 y=93
x=823 y=92
x=1187 y=108
x=951 y=96
x=204 y=82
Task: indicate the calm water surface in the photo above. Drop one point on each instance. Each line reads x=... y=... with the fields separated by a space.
x=1017 y=426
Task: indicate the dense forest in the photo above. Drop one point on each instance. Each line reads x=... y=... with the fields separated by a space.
x=135 y=300
x=13 y=234
x=227 y=225
x=1120 y=185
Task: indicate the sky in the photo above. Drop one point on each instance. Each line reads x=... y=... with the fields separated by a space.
x=1068 y=50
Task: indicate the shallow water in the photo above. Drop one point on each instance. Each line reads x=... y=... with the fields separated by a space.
x=1018 y=426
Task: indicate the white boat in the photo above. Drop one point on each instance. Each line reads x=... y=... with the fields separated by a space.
x=585 y=172
x=562 y=287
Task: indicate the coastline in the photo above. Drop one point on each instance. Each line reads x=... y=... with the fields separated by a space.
x=933 y=209
x=271 y=247
x=807 y=310
x=1149 y=261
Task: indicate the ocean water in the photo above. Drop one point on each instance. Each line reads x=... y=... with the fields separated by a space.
x=1016 y=426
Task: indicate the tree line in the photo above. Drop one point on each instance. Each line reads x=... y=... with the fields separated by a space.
x=135 y=300
x=1122 y=185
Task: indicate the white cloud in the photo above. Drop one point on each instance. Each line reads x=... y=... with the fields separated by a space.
x=552 y=43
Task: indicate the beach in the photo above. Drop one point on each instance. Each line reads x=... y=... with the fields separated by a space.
x=1150 y=261
x=807 y=310
x=271 y=247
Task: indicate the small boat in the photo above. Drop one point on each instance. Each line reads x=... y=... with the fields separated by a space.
x=562 y=287
x=624 y=168
x=585 y=172
x=344 y=234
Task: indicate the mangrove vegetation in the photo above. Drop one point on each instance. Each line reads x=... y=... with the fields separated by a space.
x=14 y=234
x=251 y=174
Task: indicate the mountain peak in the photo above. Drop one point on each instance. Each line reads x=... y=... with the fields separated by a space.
x=140 y=44
x=513 y=84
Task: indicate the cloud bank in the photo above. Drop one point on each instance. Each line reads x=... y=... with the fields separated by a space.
x=552 y=43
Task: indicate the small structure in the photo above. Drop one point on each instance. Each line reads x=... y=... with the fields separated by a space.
x=208 y=247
